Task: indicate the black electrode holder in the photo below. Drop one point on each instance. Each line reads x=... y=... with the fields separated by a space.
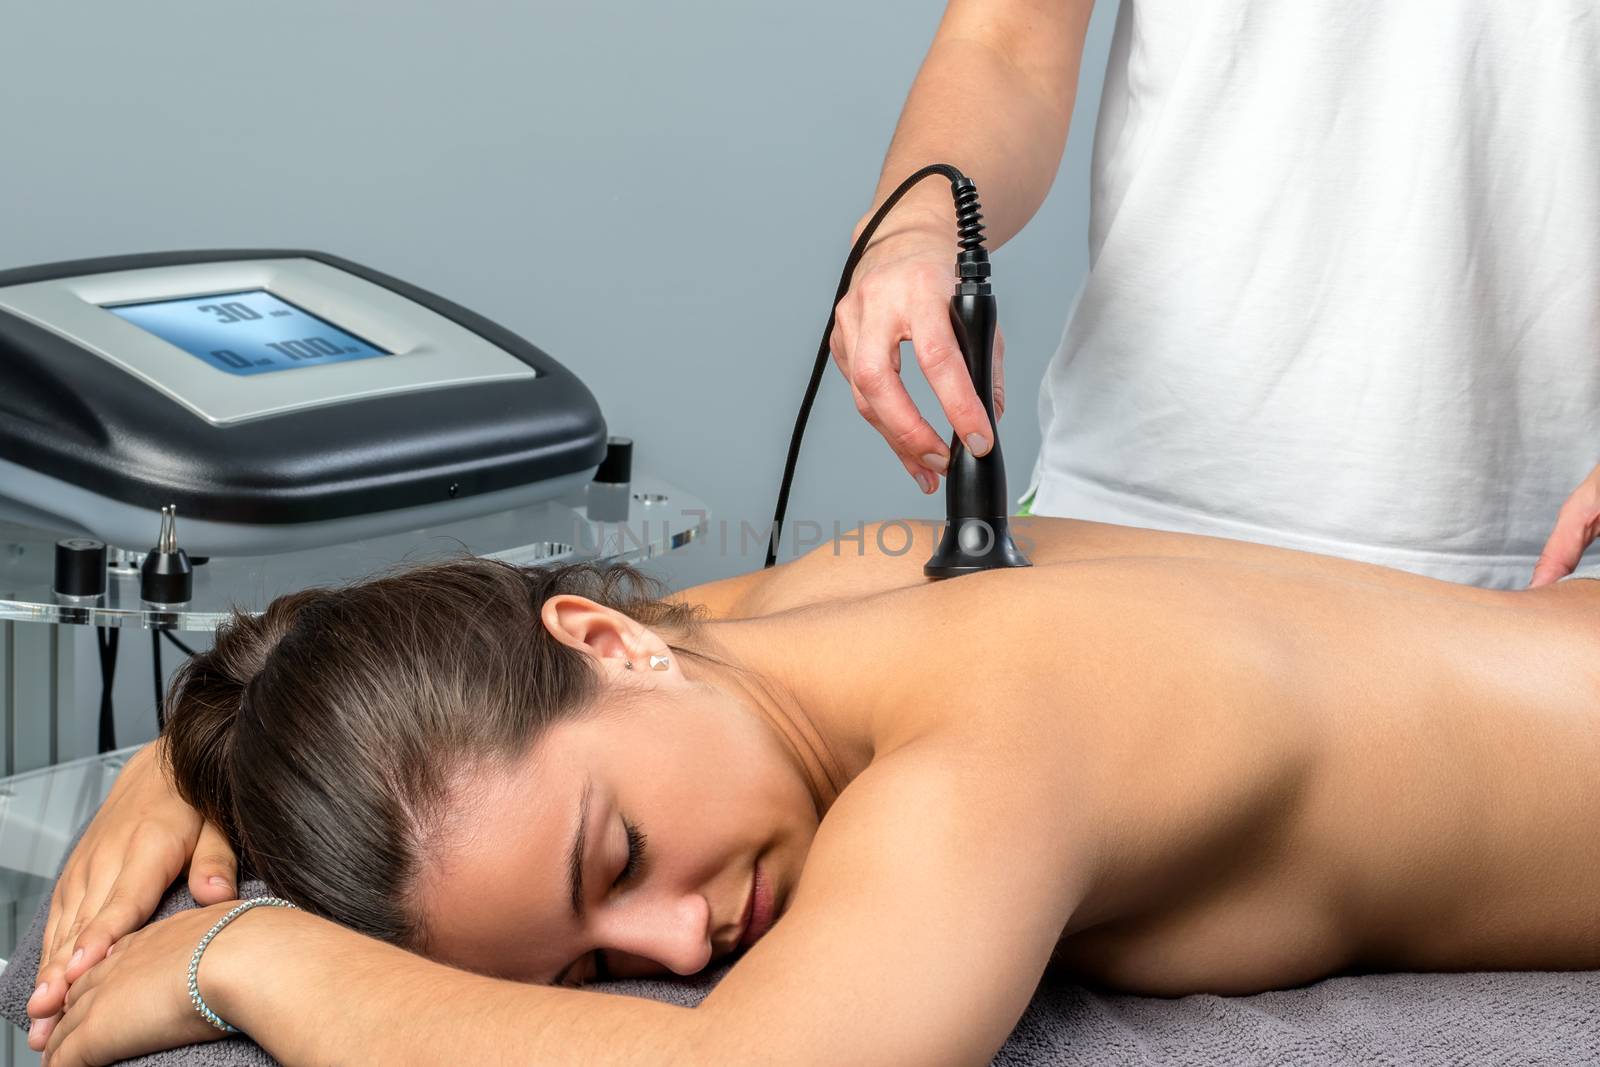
x=166 y=576
x=977 y=533
x=80 y=567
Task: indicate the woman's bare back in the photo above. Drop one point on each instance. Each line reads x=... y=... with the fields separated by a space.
x=1285 y=765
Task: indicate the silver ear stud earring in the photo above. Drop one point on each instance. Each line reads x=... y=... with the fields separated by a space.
x=628 y=663
x=658 y=663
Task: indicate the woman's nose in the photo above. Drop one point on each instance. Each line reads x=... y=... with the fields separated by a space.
x=674 y=933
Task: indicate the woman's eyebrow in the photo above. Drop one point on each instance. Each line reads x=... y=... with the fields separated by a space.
x=575 y=854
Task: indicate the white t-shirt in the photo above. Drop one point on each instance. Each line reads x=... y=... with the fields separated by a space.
x=1345 y=281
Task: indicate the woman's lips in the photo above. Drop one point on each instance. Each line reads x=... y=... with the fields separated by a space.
x=759 y=916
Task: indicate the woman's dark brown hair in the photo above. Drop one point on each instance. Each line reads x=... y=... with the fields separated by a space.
x=324 y=735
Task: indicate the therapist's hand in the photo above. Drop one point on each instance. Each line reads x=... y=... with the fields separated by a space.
x=1577 y=526
x=901 y=291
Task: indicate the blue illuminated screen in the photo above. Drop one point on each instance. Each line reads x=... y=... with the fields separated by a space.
x=252 y=332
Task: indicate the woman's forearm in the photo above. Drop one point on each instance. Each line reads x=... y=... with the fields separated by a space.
x=311 y=992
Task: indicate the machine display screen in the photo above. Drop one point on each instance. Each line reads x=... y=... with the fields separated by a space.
x=251 y=332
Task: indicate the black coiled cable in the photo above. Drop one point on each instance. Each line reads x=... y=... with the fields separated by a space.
x=971 y=264
x=969 y=217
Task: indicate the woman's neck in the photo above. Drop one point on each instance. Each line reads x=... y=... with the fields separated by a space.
x=820 y=678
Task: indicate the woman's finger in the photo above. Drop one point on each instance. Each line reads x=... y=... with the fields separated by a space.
x=134 y=892
x=214 y=870
x=97 y=974
x=66 y=900
x=100 y=875
x=67 y=1042
x=69 y=900
x=54 y=1053
x=48 y=1000
x=49 y=992
x=52 y=920
x=101 y=878
x=39 y=1031
x=127 y=909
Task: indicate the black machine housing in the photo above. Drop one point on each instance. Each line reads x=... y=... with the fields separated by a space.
x=67 y=413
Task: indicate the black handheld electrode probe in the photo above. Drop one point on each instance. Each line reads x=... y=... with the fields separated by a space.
x=977 y=534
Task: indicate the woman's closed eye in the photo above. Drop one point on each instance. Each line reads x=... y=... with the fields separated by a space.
x=598 y=971
x=636 y=841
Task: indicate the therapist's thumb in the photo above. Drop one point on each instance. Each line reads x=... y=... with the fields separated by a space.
x=1577 y=525
x=214 y=870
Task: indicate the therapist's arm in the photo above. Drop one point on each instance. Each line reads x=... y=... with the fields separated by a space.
x=994 y=97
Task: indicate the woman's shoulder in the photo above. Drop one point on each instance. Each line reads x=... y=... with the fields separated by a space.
x=888 y=555
x=865 y=560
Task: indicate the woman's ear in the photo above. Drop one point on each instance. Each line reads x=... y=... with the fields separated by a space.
x=595 y=629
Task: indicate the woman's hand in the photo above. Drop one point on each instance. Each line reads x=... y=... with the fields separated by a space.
x=1577 y=526
x=901 y=291
x=137 y=844
x=136 y=1000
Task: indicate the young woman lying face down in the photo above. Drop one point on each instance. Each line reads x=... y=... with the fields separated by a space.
x=1154 y=762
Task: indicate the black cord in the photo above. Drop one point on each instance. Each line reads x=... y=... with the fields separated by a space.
x=181 y=647
x=155 y=657
x=155 y=663
x=970 y=231
x=107 y=638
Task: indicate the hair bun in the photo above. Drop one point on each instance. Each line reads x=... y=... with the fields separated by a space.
x=208 y=693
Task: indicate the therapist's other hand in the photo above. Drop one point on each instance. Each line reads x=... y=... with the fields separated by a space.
x=136 y=846
x=901 y=292
x=1577 y=526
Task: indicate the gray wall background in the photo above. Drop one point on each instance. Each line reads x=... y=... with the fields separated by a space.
x=660 y=195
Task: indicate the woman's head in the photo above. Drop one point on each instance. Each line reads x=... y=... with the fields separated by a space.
x=410 y=757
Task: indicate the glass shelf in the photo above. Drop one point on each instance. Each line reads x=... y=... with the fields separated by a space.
x=39 y=812
x=628 y=522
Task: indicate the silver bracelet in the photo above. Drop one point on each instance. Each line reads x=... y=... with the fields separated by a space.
x=194 y=961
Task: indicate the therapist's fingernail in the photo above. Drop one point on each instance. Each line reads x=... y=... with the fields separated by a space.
x=40 y=988
x=977 y=444
x=76 y=956
x=220 y=882
x=925 y=480
x=934 y=461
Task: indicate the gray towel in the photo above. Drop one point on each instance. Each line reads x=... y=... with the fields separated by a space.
x=1404 y=1020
